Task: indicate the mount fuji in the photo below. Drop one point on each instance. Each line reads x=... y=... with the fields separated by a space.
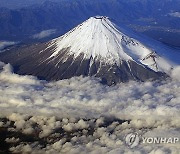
x=98 y=48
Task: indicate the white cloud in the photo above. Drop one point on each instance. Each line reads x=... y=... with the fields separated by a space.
x=4 y=44
x=86 y=97
x=44 y=34
x=12 y=140
x=81 y=115
x=94 y=139
x=176 y=73
x=175 y=14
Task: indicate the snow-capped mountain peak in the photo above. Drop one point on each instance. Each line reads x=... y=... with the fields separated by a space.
x=96 y=38
x=98 y=48
x=99 y=38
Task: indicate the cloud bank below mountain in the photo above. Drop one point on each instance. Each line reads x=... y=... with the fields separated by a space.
x=81 y=115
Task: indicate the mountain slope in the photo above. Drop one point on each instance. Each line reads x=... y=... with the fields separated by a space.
x=94 y=48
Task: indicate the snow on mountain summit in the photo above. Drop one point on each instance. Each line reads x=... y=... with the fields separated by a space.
x=99 y=38
x=95 y=37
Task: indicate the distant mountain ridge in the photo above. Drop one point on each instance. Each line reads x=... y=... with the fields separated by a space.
x=150 y=16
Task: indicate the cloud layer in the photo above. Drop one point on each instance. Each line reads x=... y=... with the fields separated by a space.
x=175 y=14
x=44 y=34
x=4 y=44
x=40 y=134
x=80 y=115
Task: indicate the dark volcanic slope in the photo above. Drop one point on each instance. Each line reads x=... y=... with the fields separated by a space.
x=30 y=60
